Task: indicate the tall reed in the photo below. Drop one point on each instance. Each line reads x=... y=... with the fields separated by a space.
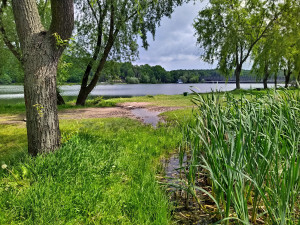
x=248 y=147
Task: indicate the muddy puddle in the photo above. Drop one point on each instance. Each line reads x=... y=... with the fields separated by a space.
x=147 y=116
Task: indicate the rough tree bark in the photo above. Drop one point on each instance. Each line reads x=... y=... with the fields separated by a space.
x=40 y=58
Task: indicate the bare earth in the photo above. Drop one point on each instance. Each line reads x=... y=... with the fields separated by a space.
x=121 y=110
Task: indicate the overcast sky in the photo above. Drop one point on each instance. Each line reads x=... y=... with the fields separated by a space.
x=174 y=46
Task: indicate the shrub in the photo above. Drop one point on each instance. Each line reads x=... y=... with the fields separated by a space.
x=132 y=80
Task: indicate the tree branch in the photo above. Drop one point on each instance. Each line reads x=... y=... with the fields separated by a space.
x=6 y=40
x=62 y=18
x=97 y=49
x=109 y=44
x=27 y=20
x=93 y=11
x=260 y=36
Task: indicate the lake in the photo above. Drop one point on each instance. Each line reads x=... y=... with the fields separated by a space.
x=129 y=90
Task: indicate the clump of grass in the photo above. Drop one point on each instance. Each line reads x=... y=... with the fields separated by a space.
x=249 y=150
x=100 y=102
x=103 y=174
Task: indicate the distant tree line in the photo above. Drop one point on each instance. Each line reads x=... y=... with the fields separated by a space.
x=70 y=71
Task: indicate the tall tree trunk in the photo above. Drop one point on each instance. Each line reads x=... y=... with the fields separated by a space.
x=265 y=81
x=237 y=74
x=275 y=81
x=60 y=99
x=41 y=98
x=86 y=88
x=287 y=76
x=82 y=96
x=266 y=76
x=40 y=58
x=287 y=81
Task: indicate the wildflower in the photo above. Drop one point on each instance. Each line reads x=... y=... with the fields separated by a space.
x=4 y=166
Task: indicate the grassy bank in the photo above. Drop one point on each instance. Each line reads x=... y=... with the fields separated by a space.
x=103 y=174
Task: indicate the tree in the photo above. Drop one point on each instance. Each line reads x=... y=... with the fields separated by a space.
x=40 y=53
x=10 y=38
x=112 y=28
x=228 y=31
x=279 y=50
x=264 y=60
x=290 y=33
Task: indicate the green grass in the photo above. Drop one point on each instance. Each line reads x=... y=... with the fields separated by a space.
x=13 y=142
x=11 y=108
x=103 y=174
x=160 y=100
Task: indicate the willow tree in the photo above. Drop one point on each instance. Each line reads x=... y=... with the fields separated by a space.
x=266 y=56
x=40 y=53
x=229 y=30
x=280 y=49
x=109 y=30
x=289 y=46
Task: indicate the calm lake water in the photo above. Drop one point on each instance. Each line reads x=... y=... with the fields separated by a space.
x=128 y=90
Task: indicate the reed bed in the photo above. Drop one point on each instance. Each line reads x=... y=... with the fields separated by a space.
x=248 y=150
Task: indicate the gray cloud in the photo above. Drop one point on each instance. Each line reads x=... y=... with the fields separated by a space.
x=175 y=45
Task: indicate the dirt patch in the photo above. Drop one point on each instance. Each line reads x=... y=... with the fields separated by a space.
x=88 y=113
x=17 y=119
x=122 y=110
x=147 y=105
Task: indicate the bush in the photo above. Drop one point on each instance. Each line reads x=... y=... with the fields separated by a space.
x=194 y=79
x=132 y=80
